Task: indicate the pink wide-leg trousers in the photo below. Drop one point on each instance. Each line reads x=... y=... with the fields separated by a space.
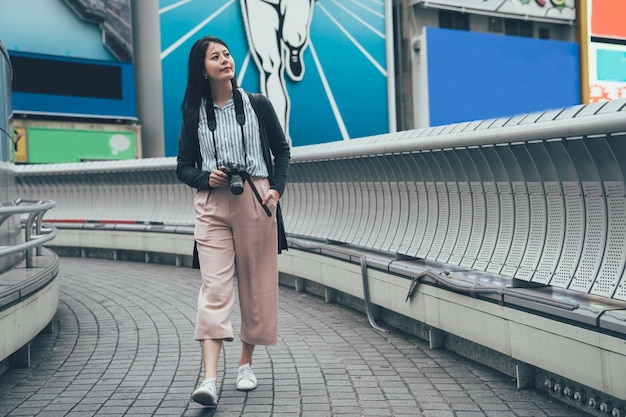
x=233 y=233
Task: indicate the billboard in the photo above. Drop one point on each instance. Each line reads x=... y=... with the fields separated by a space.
x=606 y=43
x=58 y=144
x=476 y=76
x=558 y=11
x=71 y=57
x=322 y=64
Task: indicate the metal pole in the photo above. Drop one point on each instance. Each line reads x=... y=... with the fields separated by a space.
x=148 y=76
x=583 y=44
x=391 y=78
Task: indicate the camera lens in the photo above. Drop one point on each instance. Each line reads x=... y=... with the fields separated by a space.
x=236 y=174
x=236 y=184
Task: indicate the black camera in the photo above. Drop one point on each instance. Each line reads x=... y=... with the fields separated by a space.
x=236 y=176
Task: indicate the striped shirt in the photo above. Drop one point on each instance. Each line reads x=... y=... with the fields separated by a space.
x=228 y=138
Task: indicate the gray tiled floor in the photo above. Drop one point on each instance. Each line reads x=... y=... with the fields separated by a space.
x=123 y=346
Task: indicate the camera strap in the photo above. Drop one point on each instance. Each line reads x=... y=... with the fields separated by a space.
x=241 y=120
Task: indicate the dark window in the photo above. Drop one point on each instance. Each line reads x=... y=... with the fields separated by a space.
x=544 y=33
x=515 y=27
x=526 y=28
x=453 y=20
x=446 y=19
x=66 y=78
x=495 y=25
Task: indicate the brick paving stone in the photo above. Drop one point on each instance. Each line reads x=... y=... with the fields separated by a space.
x=123 y=346
x=437 y=413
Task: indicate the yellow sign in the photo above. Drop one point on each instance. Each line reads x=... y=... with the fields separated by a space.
x=20 y=148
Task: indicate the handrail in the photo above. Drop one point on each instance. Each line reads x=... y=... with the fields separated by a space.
x=369 y=310
x=34 y=234
x=36 y=206
x=420 y=140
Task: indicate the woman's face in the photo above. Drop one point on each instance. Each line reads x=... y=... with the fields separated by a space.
x=218 y=63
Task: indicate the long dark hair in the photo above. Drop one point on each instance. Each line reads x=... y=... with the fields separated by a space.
x=197 y=86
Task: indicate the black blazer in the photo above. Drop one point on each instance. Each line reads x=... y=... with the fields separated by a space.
x=273 y=141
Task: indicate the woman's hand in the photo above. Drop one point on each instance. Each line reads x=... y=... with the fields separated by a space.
x=271 y=195
x=218 y=178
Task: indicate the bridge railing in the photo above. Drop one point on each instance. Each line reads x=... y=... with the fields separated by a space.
x=527 y=214
x=28 y=287
x=35 y=234
x=537 y=197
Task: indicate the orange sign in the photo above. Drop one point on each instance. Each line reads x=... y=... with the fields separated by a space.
x=607 y=18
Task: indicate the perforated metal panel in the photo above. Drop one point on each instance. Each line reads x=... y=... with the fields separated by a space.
x=341 y=204
x=381 y=218
x=100 y=196
x=478 y=225
x=389 y=216
x=505 y=232
x=336 y=210
x=317 y=196
x=310 y=206
x=433 y=219
x=351 y=214
x=442 y=221
x=340 y=199
x=412 y=214
x=422 y=218
x=154 y=210
x=595 y=235
x=369 y=217
x=537 y=232
x=491 y=226
x=614 y=255
x=363 y=204
x=466 y=212
x=299 y=196
x=397 y=221
x=555 y=233
x=520 y=229
x=326 y=212
x=574 y=235
x=454 y=220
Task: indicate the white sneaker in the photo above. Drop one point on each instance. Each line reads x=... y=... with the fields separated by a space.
x=205 y=394
x=246 y=380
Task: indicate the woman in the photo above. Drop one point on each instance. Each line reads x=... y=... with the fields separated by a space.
x=226 y=129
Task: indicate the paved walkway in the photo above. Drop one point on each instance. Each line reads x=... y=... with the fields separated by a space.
x=123 y=346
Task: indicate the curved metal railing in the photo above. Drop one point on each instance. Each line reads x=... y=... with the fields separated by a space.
x=537 y=197
x=35 y=235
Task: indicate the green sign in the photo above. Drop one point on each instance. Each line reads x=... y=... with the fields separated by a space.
x=47 y=145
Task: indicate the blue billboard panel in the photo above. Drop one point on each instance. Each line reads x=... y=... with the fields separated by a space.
x=72 y=87
x=475 y=76
x=322 y=64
